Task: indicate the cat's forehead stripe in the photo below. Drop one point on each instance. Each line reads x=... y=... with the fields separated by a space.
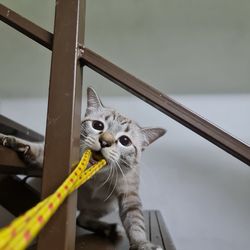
x=123 y=122
x=107 y=117
x=127 y=129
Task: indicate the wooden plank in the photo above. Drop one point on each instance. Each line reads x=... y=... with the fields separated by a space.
x=26 y=27
x=10 y=127
x=166 y=238
x=155 y=233
x=95 y=242
x=91 y=241
x=17 y=196
x=167 y=105
x=146 y=214
x=11 y=164
x=63 y=120
x=9 y=158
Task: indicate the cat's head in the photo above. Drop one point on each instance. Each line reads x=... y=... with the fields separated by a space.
x=113 y=136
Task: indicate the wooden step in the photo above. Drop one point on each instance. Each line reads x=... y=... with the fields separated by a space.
x=157 y=233
x=10 y=127
x=11 y=164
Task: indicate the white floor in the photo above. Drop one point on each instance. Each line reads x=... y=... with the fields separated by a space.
x=202 y=192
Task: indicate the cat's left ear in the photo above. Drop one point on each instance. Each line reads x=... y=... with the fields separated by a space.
x=93 y=101
x=151 y=135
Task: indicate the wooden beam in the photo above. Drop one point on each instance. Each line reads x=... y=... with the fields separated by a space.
x=26 y=27
x=63 y=120
x=11 y=164
x=167 y=105
x=142 y=90
x=10 y=127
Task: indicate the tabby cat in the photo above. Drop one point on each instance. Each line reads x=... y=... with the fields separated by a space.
x=120 y=141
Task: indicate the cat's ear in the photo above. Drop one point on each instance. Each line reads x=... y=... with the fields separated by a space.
x=93 y=100
x=151 y=134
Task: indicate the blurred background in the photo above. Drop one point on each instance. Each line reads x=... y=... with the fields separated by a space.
x=196 y=51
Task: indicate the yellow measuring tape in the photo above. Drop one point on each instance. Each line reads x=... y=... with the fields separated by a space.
x=19 y=234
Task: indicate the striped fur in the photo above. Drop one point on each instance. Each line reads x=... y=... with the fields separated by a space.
x=120 y=141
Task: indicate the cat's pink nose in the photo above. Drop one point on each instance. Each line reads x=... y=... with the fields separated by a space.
x=105 y=144
x=106 y=140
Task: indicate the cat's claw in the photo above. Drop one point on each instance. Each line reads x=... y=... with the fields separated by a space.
x=3 y=140
x=145 y=246
x=7 y=141
x=11 y=142
x=113 y=232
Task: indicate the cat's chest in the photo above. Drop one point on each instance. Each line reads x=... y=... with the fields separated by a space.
x=103 y=185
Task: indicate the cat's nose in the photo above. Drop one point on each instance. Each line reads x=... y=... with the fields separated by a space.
x=105 y=144
x=106 y=140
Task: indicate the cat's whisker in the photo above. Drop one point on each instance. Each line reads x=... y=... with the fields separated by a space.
x=114 y=185
x=120 y=140
x=113 y=155
x=124 y=177
x=125 y=163
x=118 y=165
x=105 y=180
x=89 y=142
x=90 y=139
x=83 y=133
x=111 y=177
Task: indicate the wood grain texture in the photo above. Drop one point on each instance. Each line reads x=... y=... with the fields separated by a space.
x=156 y=233
x=26 y=27
x=62 y=143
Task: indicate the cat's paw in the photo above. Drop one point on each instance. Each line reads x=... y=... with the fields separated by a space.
x=145 y=246
x=4 y=139
x=11 y=142
x=113 y=231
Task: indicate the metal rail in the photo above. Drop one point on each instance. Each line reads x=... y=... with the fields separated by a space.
x=167 y=105
x=26 y=27
x=62 y=141
x=139 y=88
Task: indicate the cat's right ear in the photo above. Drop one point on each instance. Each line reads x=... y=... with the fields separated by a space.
x=93 y=101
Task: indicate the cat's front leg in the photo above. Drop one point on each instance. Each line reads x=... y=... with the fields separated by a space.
x=131 y=215
x=31 y=153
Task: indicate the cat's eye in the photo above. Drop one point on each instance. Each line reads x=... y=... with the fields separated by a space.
x=98 y=125
x=125 y=141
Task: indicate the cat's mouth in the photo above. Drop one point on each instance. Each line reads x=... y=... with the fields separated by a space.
x=96 y=156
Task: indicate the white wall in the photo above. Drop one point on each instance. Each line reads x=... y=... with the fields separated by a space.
x=202 y=192
x=180 y=46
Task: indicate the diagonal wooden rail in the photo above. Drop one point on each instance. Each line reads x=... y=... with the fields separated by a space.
x=167 y=105
x=26 y=27
x=137 y=87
